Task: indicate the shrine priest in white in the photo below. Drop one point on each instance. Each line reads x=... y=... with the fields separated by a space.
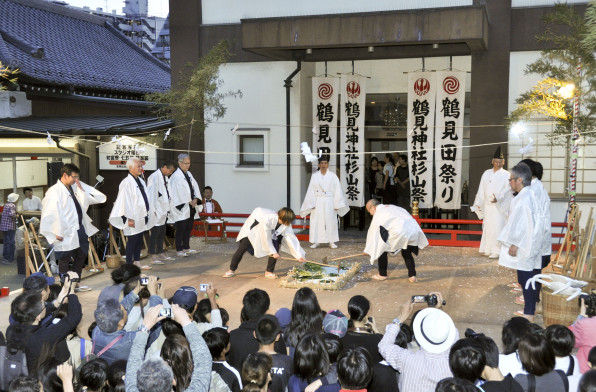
x=324 y=201
x=392 y=230
x=64 y=220
x=492 y=204
x=521 y=239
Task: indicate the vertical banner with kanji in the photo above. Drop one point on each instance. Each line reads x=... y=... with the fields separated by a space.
x=451 y=95
x=421 y=124
x=353 y=95
x=324 y=99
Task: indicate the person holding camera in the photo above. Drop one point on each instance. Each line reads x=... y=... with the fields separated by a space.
x=584 y=330
x=393 y=229
x=435 y=332
x=362 y=330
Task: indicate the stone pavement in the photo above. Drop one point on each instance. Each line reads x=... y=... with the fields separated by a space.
x=474 y=287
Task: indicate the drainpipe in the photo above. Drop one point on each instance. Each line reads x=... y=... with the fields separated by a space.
x=288 y=86
x=57 y=141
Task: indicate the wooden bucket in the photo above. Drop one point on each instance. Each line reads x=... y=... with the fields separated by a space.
x=113 y=261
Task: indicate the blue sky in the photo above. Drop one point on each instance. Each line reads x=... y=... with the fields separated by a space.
x=156 y=7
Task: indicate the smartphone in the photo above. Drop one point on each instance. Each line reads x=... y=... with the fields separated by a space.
x=203 y=287
x=144 y=281
x=165 y=312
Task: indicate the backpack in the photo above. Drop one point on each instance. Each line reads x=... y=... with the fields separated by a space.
x=13 y=364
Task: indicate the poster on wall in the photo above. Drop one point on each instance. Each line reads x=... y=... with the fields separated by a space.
x=449 y=134
x=113 y=155
x=324 y=98
x=421 y=124
x=353 y=95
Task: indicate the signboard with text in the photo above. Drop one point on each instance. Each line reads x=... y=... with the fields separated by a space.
x=113 y=155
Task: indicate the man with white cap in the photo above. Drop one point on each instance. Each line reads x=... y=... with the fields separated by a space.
x=435 y=332
x=492 y=204
x=8 y=227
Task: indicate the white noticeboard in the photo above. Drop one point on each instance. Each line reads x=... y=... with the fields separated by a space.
x=113 y=155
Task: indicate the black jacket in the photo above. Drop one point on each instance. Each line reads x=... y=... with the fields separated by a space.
x=243 y=342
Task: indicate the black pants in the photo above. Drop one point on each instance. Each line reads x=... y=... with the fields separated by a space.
x=156 y=239
x=244 y=246
x=77 y=256
x=134 y=244
x=408 y=258
x=530 y=294
x=183 y=229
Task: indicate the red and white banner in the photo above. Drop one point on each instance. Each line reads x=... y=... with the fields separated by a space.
x=353 y=95
x=449 y=134
x=324 y=99
x=421 y=124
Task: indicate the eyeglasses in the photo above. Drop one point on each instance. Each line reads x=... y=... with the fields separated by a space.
x=513 y=178
x=76 y=177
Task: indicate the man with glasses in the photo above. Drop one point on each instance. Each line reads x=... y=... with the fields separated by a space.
x=492 y=204
x=521 y=239
x=64 y=221
x=186 y=201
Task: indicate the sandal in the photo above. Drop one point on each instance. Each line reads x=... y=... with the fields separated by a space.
x=378 y=277
x=146 y=267
x=228 y=274
x=270 y=275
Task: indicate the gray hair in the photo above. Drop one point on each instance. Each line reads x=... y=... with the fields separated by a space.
x=108 y=314
x=155 y=376
x=374 y=202
x=182 y=157
x=132 y=161
x=523 y=171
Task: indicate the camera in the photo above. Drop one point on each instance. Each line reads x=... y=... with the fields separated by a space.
x=63 y=276
x=145 y=280
x=203 y=287
x=590 y=301
x=430 y=299
x=165 y=312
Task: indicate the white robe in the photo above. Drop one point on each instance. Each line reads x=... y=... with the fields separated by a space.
x=544 y=214
x=180 y=194
x=261 y=235
x=403 y=230
x=33 y=204
x=130 y=204
x=159 y=202
x=522 y=230
x=494 y=214
x=324 y=200
x=59 y=214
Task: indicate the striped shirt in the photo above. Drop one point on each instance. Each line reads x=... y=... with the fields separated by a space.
x=420 y=371
x=8 y=217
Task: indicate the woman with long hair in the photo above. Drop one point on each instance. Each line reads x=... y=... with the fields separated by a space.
x=311 y=365
x=306 y=317
x=176 y=352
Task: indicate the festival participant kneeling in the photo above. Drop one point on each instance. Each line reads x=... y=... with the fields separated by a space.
x=263 y=233
x=521 y=238
x=354 y=369
x=393 y=228
x=131 y=211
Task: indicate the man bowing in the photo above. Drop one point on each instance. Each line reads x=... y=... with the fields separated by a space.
x=393 y=229
x=64 y=220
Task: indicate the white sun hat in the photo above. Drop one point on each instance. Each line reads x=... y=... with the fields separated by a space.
x=434 y=330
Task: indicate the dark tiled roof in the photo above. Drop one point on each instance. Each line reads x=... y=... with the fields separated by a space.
x=55 y=45
x=81 y=125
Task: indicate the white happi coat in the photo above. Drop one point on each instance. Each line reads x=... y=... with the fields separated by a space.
x=403 y=231
x=523 y=229
x=493 y=214
x=543 y=201
x=59 y=214
x=159 y=202
x=131 y=205
x=180 y=194
x=33 y=204
x=261 y=235
x=324 y=200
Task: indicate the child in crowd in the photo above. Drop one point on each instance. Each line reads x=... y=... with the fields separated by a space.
x=562 y=341
x=267 y=333
x=354 y=369
x=218 y=341
x=311 y=363
x=256 y=372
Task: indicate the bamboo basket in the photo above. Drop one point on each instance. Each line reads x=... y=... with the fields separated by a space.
x=557 y=310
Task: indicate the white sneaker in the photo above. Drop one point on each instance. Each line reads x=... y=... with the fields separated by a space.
x=314 y=246
x=332 y=245
x=181 y=254
x=191 y=251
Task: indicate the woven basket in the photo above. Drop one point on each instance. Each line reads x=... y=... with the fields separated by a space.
x=113 y=261
x=557 y=310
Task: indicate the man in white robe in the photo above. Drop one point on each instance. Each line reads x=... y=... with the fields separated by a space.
x=64 y=220
x=521 y=239
x=31 y=202
x=263 y=234
x=492 y=204
x=324 y=201
x=160 y=204
x=131 y=211
x=392 y=229
x=186 y=202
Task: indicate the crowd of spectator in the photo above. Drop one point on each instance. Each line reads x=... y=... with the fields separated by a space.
x=143 y=341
